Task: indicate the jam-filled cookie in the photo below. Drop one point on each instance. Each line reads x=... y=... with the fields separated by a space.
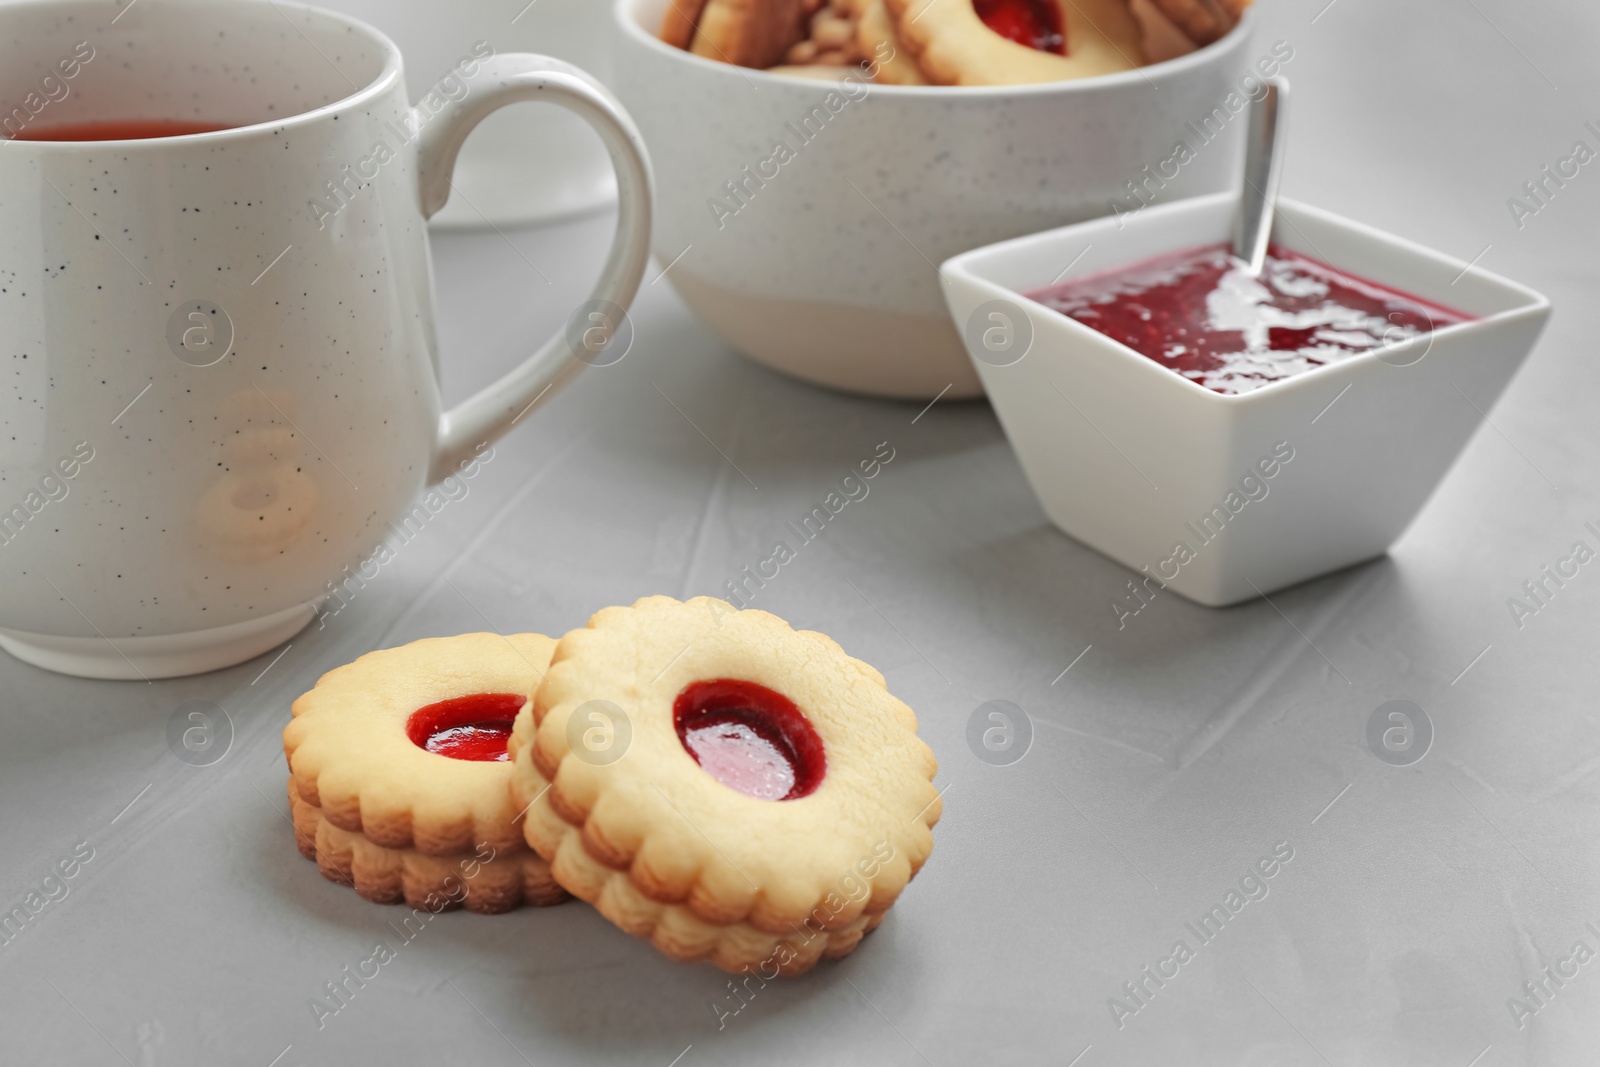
x=678 y=22
x=399 y=774
x=724 y=785
x=749 y=33
x=830 y=38
x=1203 y=21
x=1013 y=42
x=814 y=71
x=484 y=880
x=878 y=40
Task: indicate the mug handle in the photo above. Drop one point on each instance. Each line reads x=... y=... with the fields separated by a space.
x=511 y=79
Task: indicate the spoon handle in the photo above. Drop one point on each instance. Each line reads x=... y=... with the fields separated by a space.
x=1263 y=166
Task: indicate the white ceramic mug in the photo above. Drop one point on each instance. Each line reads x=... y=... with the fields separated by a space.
x=221 y=375
x=525 y=164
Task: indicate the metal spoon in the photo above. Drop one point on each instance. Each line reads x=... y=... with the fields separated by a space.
x=1263 y=166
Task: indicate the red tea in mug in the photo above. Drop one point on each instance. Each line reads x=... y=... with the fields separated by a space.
x=117 y=130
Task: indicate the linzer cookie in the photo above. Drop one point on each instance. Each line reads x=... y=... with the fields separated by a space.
x=831 y=40
x=876 y=36
x=1203 y=21
x=948 y=42
x=679 y=20
x=485 y=880
x=722 y=784
x=1013 y=42
x=399 y=775
x=748 y=33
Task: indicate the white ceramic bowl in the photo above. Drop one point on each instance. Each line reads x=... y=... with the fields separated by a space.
x=826 y=269
x=1135 y=460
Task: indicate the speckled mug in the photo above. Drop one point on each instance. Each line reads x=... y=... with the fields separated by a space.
x=221 y=380
x=822 y=259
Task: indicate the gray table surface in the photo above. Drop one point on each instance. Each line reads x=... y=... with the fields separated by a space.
x=1172 y=755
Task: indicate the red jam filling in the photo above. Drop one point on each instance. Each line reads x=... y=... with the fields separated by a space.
x=1033 y=23
x=1199 y=313
x=472 y=727
x=750 y=738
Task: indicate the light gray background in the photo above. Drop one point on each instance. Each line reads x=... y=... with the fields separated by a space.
x=1172 y=755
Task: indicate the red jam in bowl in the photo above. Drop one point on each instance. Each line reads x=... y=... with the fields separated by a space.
x=750 y=738
x=1033 y=23
x=472 y=727
x=1199 y=313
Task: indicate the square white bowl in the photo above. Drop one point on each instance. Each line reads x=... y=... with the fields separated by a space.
x=1130 y=457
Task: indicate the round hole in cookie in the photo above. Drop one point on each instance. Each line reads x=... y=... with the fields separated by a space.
x=472 y=727
x=750 y=738
x=1033 y=23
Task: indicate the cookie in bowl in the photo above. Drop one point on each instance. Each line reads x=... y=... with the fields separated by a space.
x=399 y=775
x=1015 y=42
x=724 y=785
x=747 y=33
x=1202 y=21
x=948 y=42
